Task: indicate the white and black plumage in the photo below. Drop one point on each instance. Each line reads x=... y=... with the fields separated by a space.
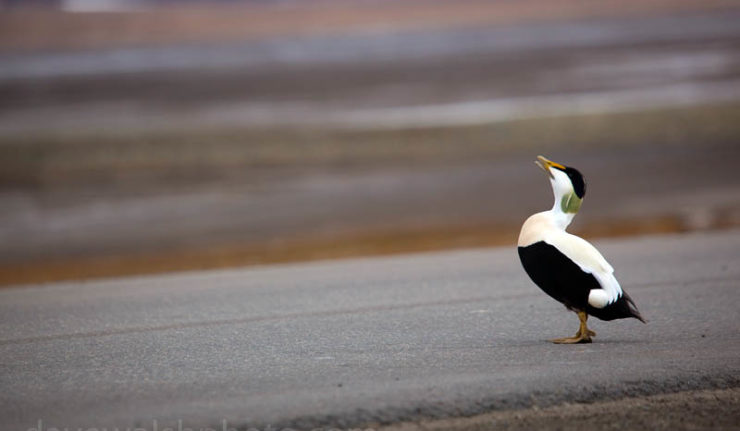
x=567 y=267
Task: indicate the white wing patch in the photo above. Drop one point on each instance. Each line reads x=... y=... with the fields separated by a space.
x=585 y=255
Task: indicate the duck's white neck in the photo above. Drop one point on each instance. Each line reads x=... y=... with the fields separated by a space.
x=559 y=218
x=566 y=203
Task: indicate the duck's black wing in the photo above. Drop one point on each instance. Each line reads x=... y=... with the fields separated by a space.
x=562 y=279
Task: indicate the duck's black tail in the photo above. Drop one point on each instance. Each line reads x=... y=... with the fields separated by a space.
x=623 y=308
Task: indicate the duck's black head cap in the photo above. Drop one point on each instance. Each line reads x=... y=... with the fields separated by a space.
x=579 y=183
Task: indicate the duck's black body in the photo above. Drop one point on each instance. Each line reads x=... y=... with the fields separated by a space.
x=563 y=280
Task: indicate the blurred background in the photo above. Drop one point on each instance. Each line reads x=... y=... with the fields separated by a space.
x=140 y=136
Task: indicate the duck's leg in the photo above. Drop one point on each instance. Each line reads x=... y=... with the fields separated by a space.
x=582 y=336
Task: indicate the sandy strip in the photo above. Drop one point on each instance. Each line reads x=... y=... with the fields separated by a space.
x=692 y=410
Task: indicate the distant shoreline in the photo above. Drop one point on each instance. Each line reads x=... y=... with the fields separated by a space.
x=310 y=249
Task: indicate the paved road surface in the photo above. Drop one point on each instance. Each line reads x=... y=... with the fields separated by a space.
x=350 y=342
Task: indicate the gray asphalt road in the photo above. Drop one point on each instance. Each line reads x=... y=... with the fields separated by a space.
x=361 y=341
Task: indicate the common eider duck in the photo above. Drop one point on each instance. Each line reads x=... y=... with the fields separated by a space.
x=567 y=267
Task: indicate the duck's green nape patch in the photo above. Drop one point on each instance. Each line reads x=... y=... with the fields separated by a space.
x=570 y=203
